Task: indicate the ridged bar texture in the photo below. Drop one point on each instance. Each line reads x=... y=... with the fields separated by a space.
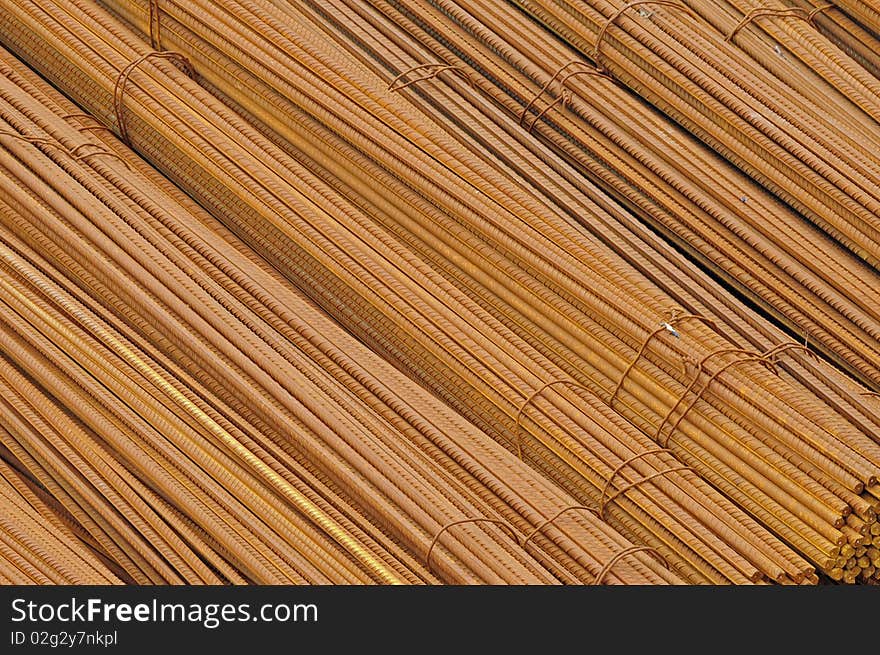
x=707 y=207
x=604 y=373
x=168 y=359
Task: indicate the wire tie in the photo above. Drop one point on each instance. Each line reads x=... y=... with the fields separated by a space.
x=33 y=140
x=777 y=350
x=783 y=12
x=499 y=522
x=674 y=320
x=623 y=553
x=438 y=68
x=529 y=400
x=87 y=128
x=616 y=471
x=563 y=97
x=77 y=156
x=553 y=518
x=748 y=356
x=122 y=81
x=590 y=70
x=73 y=154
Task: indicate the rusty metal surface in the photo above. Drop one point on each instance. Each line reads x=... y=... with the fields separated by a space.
x=177 y=455
x=441 y=244
x=735 y=229
x=866 y=13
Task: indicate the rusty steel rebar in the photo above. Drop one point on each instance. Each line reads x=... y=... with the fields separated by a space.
x=785 y=492
x=815 y=385
x=100 y=251
x=791 y=145
x=45 y=547
x=665 y=174
x=479 y=285
x=867 y=13
x=166 y=31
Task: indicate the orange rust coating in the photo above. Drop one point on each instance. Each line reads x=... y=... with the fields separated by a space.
x=483 y=289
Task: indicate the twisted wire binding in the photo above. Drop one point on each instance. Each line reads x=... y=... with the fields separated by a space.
x=438 y=68
x=766 y=359
x=778 y=349
x=623 y=553
x=451 y=524
x=535 y=394
x=77 y=156
x=74 y=154
x=589 y=71
x=564 y=98
x=553 y=518
x=604 y=499
x=613 y=18
x=748 y=356
x=673 y=321
x=89 y=128
x=33 y=139
x=782 y=12
x=122 y=81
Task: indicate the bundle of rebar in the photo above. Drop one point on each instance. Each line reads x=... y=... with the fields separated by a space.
x=818 y=161
x=707 y=207
x=269 y=96
x=867 y=13
x=762 y=426
x=698 y=514
x=786 y=44
x=39 y=542
x=479 y=283
x=203 y=422
x=851 y=37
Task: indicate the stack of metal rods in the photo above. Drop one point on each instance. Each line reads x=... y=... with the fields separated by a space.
x=573 y=195
x=786 y=44
x=130 y=467
x=848 y=35
x=796 y=273
x=822 y=166
x=866 y=13
x=599 y=366
x=39 y=542
x=722 y=311
x=703 y=536
x=177 y=327
x=833 y=555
